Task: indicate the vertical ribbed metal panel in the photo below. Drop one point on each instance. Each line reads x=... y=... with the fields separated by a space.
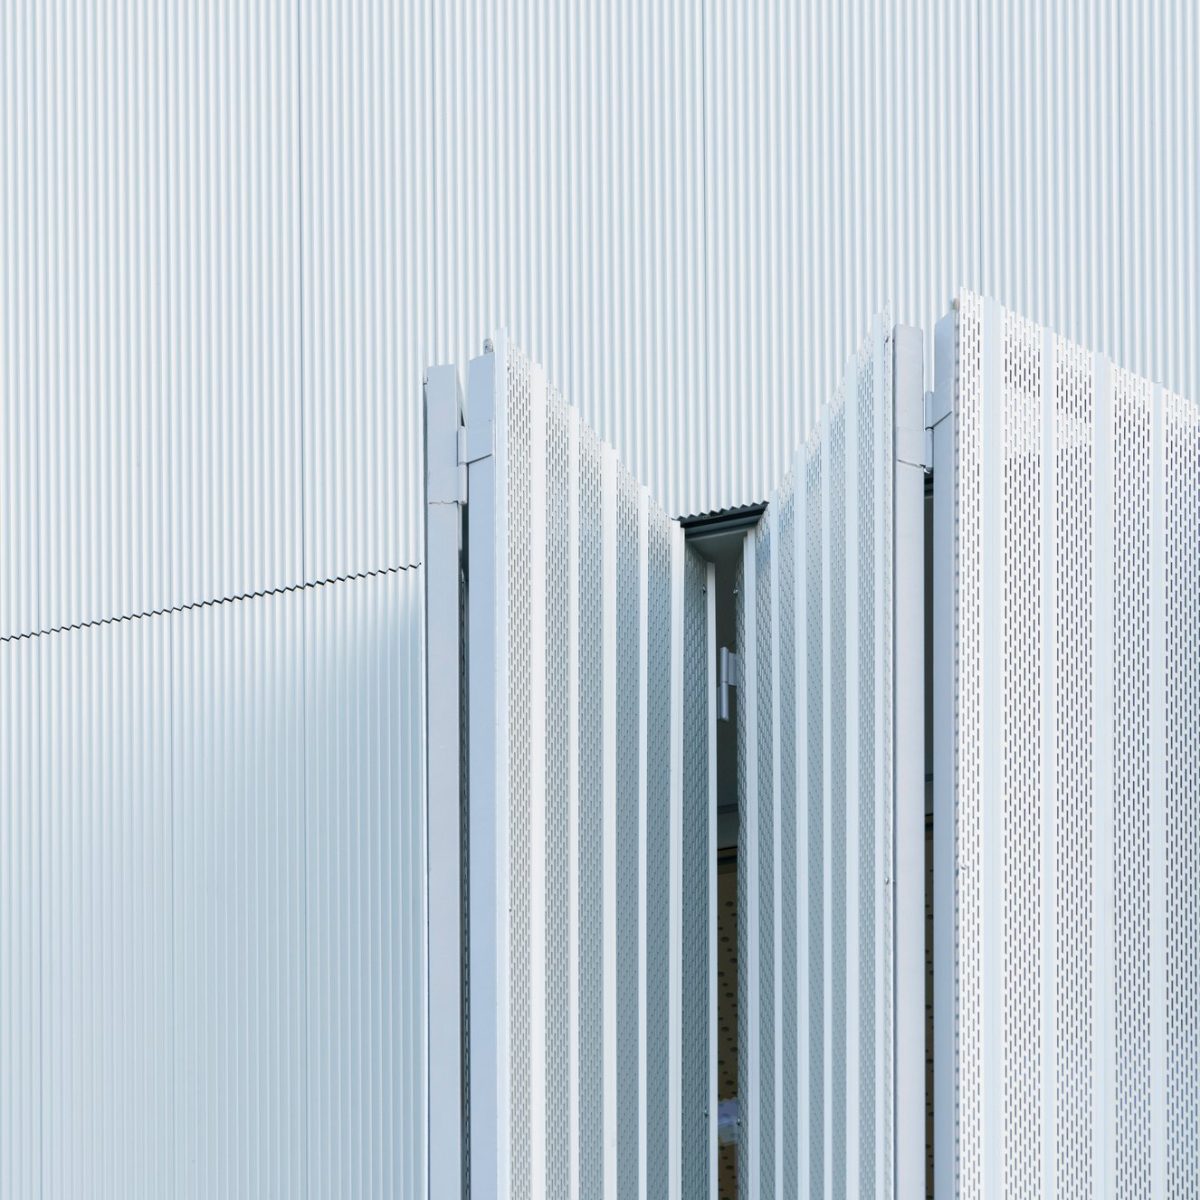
x=149 y=360
x=1034 y=185
x=1077 y=816
x=364 y=886
x=218 y=232
x=363 y=162
x=846 y=106
x=568 y=151
x=235 y=808
x=22 y=903
x=816 y=794
x=212 y=925
x=596 y=845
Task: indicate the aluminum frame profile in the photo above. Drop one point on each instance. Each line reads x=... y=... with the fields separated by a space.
x=562 y=546
x=1067 y=817
x=843 y=1103
x=445 y=491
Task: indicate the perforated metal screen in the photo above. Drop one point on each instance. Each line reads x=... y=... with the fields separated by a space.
x=590 y=640
x=1067 y=588
x=816 y=713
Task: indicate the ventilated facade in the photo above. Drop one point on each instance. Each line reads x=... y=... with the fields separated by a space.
x=588 y=633
x=817 y=796
x=1068 y=811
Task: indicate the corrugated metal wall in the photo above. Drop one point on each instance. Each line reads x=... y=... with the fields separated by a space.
x=211 y=900
x=1067 y=560
x=219 y=228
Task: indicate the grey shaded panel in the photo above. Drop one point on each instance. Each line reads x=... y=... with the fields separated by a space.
x=838 y=550
x=764 y=552
x=629 y=653
x=698 y=863
x=659 y=883
x=816 y=967
x=792 y=872
x=591 y=822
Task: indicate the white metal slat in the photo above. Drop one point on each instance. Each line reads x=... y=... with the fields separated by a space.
x=1158 y=785
x=486 y=780
x=854 y=791
x=1049 y=846
x=1103 y=866
x=991 y=771
x=539 y=651
x=902 y=706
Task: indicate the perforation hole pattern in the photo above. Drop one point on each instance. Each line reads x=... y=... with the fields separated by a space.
x=519 y=465
x=1182 y=529
x=557 y=716
x=967 y=783
x=1131 y=777
x=1074 y=596
x=1022 y=475
x=1144 y=596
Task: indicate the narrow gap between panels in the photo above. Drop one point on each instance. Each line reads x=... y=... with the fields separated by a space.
x=720 y=538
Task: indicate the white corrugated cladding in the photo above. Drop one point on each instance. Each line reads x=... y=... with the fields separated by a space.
x=1067 y=561
x=211 y=916
x=233 y=238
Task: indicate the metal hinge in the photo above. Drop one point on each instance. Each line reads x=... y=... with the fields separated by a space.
x=730 y=676
x=476 y=442
x=473 y=445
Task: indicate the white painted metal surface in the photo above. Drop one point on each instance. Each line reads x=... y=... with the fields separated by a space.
x=829 y=775
x=211 y=901
x=218 y=234
x=1067 y=812
x=609 y=825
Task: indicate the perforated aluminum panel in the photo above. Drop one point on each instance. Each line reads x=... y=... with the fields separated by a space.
x=597 y=1075
x=816 y=794
x=1075 y=798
